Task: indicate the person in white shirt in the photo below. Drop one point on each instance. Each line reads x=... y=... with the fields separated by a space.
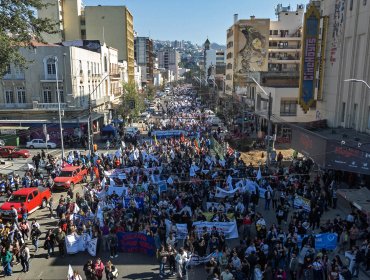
x=171 y=240
x=227 y=275
x=180 y=258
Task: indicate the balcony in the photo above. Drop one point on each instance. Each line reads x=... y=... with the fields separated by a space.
x=48 y=106
x=284 y=59
x=286 y=38
x=14 y=76
x=12 y=106
x=47 y=78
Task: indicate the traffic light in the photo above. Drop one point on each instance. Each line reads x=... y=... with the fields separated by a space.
x=131 y=104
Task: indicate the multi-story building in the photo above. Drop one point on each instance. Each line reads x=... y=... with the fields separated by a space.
x=144 y=58
x=86 y=72
x=341 y=139
x=169 y=59
x=110 y=24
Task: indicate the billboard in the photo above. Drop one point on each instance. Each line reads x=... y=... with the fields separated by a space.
x=252 y=41
x=308 y=62
x=347 y=158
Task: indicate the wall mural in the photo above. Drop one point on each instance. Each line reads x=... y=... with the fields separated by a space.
x=253 y=49
x=338 y=28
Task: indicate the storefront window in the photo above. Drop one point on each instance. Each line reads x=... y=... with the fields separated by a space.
x=288 y=107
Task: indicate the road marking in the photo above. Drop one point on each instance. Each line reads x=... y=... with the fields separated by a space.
x=40 y=274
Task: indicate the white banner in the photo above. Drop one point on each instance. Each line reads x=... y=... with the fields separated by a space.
x=300 y=201
x=196 y=260
x=91 y=247
x=221 y=193
x=181 y=231
x=229 y=229
x=79 y=243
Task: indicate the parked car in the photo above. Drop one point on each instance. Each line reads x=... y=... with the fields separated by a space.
x=40 y=144
x=70 y=176
x=13 y=152
x=33 y=198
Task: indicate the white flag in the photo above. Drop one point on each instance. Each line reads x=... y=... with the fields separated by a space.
x=259 y=175
x=30 y=166
x=70 y=272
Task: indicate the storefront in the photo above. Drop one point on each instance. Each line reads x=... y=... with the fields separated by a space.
x=332 y=150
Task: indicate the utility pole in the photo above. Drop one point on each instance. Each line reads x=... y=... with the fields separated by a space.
x=59 y=110
x=269 y=129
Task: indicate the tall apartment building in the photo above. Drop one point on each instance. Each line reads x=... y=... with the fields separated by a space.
x=110 y=24
x=144 y=58
x=169 y=59
x=83 y=70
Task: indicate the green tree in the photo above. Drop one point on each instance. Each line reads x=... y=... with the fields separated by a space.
x=132 y=102
x=19 y=27
x=150 y=92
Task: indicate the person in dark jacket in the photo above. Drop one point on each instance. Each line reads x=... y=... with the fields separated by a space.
x=89 y=270
x=49 y=242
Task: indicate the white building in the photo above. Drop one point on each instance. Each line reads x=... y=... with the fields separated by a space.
x=85 y=71
x=169 y=59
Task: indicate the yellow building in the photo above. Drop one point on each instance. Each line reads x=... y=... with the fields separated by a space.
x=110 y=24
x=113 y=25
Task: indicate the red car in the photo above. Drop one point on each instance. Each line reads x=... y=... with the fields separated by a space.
x=33 y=198
x=70 y=176
x=13 y=152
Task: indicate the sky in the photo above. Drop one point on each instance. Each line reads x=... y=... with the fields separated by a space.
x=193 y=20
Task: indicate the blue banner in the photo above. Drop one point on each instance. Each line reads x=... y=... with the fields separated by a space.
x=168 y=133
x=139 y=201
x=326 y=241
x=134 y=242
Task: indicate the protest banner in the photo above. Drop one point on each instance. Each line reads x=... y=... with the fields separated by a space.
x=300 y=201
x=326 y=241
x=181 y=231
x=91 y=247
x=168 y=133
x=229 y=229
x=79 y=243
x=197 y=260
x=135 y=242
x=221 y=193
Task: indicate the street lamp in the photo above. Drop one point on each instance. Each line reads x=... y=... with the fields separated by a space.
x=59 y=110
x=358 y=81
x=269 y=119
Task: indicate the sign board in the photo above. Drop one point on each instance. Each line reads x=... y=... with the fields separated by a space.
x=307 y=83
x=8 y=131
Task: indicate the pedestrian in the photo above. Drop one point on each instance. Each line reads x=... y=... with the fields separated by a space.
x=89 y=270
x=60 y=239
x=99 y=269
x=51 y=207
x=76 y=276
x=6 y=259
x=163 y=256
x=35 y=235
x=24 y=212
x=268 y=196
x=14 y=215
x=113 y=243
x=49 y=242
x=25 y=258
x=25 y=229
x=111 y=272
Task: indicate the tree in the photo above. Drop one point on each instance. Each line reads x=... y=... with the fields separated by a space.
x=132 y=102
x=19 y=27
x=150 y=92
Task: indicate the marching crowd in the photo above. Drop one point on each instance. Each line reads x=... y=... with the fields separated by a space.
x=124 y=195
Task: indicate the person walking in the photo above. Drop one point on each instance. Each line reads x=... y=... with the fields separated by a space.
x=99 y=269
x=6 y=259
x=163 y=255
x=268 y=197
x=49 y=242
x=51 y=207
x=25 y=258
x=111 y=272
x=113 y=243
x=60 y=239
x=35 y=235
x=89 y=270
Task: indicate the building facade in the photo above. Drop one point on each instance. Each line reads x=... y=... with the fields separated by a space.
x=85 y=72
x=110 y=24
x=169 y=59
x=144 y=58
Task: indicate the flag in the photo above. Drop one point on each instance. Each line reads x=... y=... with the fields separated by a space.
x=70 y=273
x=259 y=174
x=155 y=139
x=30 y=166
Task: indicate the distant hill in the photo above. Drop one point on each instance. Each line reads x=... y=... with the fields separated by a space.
x=216 y=46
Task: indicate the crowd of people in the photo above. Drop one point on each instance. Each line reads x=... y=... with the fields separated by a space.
x=152 y=185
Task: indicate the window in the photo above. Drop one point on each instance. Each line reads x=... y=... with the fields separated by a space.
x=80 y=65
x=276 y=32
x=343 y=112
x=288 y=107
x=351 y=5
x=368 y=118
x=50 y=65
x=21 y=95
x=105 y=64
x=9 y=96
x=61 y=94
x=8 y=69
x=354 y=116
x=364 y=2
x=47 y=94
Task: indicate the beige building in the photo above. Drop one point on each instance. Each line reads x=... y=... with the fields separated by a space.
x=110 y=24
x=85 y=72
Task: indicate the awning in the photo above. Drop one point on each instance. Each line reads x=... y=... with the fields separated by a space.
x=273 y=118
x=359 y=198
